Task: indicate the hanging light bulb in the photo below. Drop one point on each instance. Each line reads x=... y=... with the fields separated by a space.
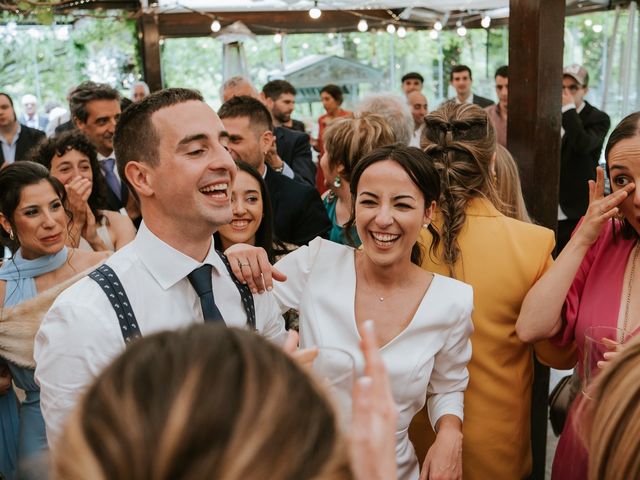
x=215 y=25
x=277 y=37
x=391 y=28
x=461 y=30
x=437 y=26
x=588 y=22
x=402 y=32
x=486 y=21
x=363 y=26
x=315 y=12
x=597 y=28
x=433 y=34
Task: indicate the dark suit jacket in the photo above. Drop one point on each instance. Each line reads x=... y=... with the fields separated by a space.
x=64 y=127
x=298 y=212
x=584 y=134
x=295 y=150
x=297 y=125
x=477 y=100
x=481 y=101
x=29 y=138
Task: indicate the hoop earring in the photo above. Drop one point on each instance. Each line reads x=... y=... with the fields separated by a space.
x=337 y=182
x=11 y=236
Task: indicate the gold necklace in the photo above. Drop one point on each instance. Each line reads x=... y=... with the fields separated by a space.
x=628 y=299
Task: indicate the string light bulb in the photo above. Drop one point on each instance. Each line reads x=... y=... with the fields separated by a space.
x=461 y=29
x=363 y=26
x=433 y=34
x=215 y=26
x=402 y=32
x=486 y=21
x=315 y=12
x=437 y=26
x=391 y=28
x=277 y=37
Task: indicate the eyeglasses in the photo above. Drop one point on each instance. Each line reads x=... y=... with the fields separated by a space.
x=572 y=88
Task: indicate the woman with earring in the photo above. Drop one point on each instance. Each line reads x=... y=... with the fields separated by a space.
x=346 y=141
x=422 y=320
x=35 y=228
x=594 y=281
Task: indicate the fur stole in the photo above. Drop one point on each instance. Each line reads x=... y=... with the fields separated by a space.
x=20 y=323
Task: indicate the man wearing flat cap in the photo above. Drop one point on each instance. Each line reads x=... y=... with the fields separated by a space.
x=584 y=129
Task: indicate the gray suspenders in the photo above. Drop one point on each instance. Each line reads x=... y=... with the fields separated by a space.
x=107 y=279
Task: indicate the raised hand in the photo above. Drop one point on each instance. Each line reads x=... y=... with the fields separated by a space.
x=251 y=265
x=601 y=209
x=78 y=192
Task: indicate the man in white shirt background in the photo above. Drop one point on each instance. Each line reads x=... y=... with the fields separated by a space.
x=170 y=151
x=419 y=109
x=30 y=116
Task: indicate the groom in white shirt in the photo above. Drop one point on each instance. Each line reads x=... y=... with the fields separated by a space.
x=170 y=149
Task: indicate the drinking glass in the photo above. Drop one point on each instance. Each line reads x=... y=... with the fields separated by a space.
x=336 y=370
x=598 y=341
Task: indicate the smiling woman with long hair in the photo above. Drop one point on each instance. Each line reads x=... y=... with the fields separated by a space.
x=422 y=319
x=34 y=226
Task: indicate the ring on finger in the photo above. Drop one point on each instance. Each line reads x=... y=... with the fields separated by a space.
x=240 y=264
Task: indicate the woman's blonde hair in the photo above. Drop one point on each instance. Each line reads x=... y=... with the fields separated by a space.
x=462 y=142
x=509 y=187
x=347 y=140
x=611 y=419
x=205 y=402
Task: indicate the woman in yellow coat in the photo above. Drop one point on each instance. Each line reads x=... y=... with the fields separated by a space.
x=501 y=258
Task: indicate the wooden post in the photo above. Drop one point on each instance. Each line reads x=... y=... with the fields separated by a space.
x=536 y=37
x=149 y=38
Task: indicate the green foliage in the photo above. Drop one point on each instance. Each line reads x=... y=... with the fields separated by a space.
x=48 y=60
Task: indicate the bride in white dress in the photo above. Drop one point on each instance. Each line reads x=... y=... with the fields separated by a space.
x=423 y=320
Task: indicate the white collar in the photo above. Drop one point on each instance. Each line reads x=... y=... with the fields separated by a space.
x=166 y=264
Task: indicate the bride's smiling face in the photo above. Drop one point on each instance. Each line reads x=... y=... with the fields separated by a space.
x=389 y=211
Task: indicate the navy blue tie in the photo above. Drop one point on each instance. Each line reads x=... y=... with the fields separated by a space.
x=114 y=184
x=200 y=280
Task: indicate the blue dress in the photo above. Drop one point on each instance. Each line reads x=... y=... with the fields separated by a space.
x=337 y=232
x=8 y=434
x=26 y=429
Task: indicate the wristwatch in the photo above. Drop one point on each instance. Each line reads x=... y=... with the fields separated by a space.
x=279 y=169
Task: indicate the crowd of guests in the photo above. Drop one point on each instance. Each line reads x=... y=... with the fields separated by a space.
x=408 y=245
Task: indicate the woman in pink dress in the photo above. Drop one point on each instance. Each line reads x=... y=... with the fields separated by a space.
x=594 y=281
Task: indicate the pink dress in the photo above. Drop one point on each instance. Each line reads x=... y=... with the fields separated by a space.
x=592 y=300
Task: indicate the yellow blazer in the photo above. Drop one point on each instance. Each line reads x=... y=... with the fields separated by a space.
x=501 y=258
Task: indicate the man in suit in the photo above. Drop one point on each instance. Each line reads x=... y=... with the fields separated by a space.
x=16 y=140
x=292 y=155
x=30 y=116
x=461 y=80
x=584 y=129
x=279 y=96
x=95 y=110
x=299 y=215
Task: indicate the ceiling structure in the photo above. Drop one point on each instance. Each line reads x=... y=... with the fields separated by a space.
x=189 y=18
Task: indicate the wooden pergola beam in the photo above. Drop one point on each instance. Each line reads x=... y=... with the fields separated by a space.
x=536 y=39
x=149 y=38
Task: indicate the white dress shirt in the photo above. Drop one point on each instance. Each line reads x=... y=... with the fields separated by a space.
x=80 y=334
x=417 y=135
x=427 y=361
